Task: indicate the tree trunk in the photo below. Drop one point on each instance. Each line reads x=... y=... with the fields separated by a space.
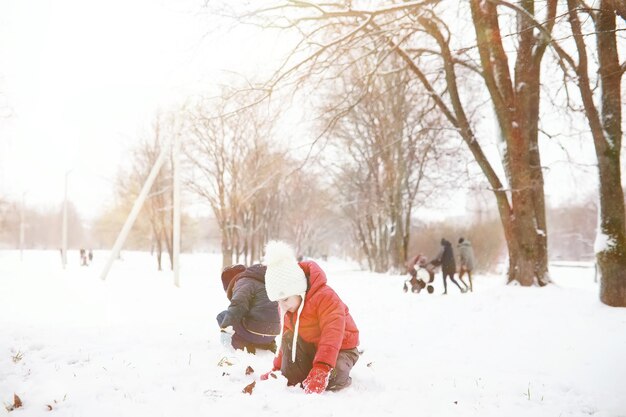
x=517 y=107
x=611 y=256
x=516 y=104
x=159 y=251
x=169 y=240
x=536 y=174
x=227 y=256
x=606 y=131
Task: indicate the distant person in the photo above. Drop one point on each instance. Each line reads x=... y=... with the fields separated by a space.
x=90 y=256
x=445 y=258
x=83 y=257
x=319 y=336
x=252 y=316
x=466 y=261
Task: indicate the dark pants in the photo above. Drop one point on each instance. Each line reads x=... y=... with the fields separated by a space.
x=445 y=284
x=239 y=343
x=297 y=371
x=469 y=276
x=243 y=338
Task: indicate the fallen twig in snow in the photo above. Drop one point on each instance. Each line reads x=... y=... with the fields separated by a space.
x=17 y=357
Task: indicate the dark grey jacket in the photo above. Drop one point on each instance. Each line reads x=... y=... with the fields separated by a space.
x=445 y=258
x=251 y=314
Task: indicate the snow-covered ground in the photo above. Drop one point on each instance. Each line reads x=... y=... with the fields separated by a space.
x=135 y=345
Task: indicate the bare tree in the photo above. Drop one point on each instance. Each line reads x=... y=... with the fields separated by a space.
x=42 y=226
x=516 y=99
x=309 y=208
x=235 y=171
x=386 y=142
x=261 y=197
x=443 y=60
x=5 y=207
x=573 y=228
x=605 y=123
x=157 y=208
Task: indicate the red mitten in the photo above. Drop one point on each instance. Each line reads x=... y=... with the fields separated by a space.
x=266 y=376
x=317 y=380
x=276 y=367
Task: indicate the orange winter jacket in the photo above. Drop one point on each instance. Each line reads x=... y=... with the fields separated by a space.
x=325 y=320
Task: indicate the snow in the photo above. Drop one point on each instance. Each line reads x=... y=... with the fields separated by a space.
x=135 y=345
x=603 y=242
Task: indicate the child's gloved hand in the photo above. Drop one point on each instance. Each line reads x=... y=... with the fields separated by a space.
x=266 y=376
x=317 y=380
x=276 y=367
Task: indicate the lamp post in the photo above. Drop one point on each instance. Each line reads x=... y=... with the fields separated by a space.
x=64 y=226
x=176 y=217
x=22 y=229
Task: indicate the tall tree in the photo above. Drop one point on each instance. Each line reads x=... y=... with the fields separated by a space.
x=442 y=57
x=157 y=209
x=235 y=172
x=386 y=141
x=516 y=99
x=309 y=208
x=605 y=123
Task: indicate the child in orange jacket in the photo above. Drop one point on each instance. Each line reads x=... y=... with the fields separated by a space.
x=319 y=336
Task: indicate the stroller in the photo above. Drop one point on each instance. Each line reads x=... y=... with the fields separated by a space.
x=422 y=275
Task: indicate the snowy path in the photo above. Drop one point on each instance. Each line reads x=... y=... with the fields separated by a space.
x=135 y=345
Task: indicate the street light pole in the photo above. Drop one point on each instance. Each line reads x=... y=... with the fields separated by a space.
x=176 y=219
x=64 y=226
x=134 y=212
x=22 y=229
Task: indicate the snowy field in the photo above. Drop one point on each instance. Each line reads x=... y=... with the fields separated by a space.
x=135 y=345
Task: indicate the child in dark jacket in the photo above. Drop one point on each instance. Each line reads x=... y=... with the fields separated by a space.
x=253 y=317
x=319 y=336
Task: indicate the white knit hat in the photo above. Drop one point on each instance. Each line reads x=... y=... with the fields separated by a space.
x=283 y=277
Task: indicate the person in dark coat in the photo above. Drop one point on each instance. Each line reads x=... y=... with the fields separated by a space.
x=445 y=258
x=253 y=317
x=466 y=261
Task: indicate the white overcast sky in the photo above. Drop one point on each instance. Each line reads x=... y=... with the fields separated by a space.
x=84 y=80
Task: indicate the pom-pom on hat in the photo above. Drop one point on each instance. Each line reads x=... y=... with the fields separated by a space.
x=283 y=277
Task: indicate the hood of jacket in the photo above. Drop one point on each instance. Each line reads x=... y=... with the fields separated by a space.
x=316 y=277
x=256 y=272
x=321 y=305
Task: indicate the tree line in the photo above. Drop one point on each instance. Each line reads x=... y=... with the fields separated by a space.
x=402 y=92
x=480 y=56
